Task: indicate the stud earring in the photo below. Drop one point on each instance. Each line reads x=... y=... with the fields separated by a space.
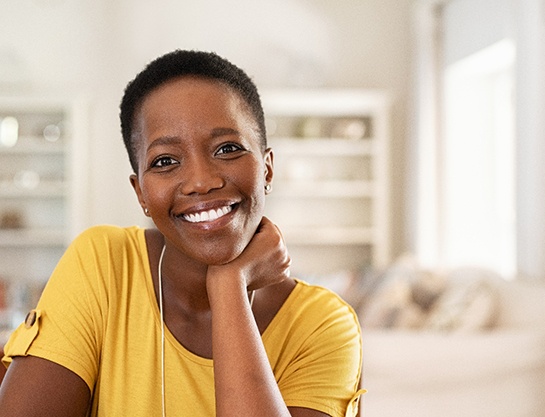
x=146 y=211
x=268 y=188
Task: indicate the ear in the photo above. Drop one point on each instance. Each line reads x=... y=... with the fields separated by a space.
x=136 y=186
x=268 y=158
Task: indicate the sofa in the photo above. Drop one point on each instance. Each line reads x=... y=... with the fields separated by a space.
x=489 y=363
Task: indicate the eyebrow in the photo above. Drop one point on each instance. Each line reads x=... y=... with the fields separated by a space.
x=224 y=131
x=164 y=140
x=173 y=140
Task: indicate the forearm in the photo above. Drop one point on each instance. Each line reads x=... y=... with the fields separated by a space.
x=244 y=382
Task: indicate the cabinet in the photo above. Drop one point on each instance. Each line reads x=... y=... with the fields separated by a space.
x=330 y=192
x=42 y=163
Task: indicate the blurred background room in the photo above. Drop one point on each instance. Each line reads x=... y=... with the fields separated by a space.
x=409 y=168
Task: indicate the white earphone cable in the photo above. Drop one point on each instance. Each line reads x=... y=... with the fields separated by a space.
x=160 y=278
x=160 y=287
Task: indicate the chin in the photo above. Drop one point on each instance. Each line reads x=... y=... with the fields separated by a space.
x=220 y=254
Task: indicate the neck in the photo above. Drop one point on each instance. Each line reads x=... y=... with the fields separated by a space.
x=184 y=282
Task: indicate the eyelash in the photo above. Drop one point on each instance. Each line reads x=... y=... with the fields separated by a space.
x=233 y=148
x=159 y=162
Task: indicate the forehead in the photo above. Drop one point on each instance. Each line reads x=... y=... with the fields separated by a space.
x=191 y=97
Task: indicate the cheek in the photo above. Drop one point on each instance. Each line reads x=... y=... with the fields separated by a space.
x=254 y=176
x=156 y=194
x=253 y=183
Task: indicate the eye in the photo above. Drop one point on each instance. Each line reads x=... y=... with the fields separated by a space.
x=229 y=148
x=163 y=162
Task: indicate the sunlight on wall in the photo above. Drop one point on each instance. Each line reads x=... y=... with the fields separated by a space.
x=478 y=170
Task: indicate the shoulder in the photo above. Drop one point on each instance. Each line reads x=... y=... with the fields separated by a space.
x=314 y=297
x=324 y=319
x=106 y=236
x=313 y=309
x=109 y=232
x=102 y=261
x=105 y=247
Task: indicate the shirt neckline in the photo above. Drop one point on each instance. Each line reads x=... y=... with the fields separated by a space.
x=284 y=309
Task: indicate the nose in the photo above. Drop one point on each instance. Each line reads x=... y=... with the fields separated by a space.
x=200 y=176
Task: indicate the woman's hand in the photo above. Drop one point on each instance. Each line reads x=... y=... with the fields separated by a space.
x=265 y=260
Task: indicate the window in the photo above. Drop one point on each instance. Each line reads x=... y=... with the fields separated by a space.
x=463 y=191
x=477 y=173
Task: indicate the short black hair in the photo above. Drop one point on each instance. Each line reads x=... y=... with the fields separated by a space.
x=186 y=63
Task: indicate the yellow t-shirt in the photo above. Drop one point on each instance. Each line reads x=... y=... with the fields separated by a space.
x=98 y=317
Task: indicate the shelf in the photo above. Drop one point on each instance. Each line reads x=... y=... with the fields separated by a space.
x=331 y=187
x=32 y=237
x=34 y=145
x=323 y=189
x=318 y=236
x=46 y=189
x=321 y=146
x=41 y=206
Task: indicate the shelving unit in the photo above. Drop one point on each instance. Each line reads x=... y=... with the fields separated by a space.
x=331 y=182
x=42 y=193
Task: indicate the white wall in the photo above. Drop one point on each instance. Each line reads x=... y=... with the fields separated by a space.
x=472 y=25
x=530 y=98
x=92 y=48
x=50 y=45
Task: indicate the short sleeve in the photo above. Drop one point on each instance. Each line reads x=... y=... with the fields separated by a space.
x=67 y=325
x=353 y=405
x=323 y=348
x=22 y=338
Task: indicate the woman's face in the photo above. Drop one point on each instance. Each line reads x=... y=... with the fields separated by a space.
x=201 y=171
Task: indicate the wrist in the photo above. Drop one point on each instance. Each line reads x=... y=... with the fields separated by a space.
x=226 y=285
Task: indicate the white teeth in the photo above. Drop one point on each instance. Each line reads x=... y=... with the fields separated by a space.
x=209 y=215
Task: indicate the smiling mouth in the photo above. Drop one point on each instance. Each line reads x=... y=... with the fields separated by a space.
x=208 y=215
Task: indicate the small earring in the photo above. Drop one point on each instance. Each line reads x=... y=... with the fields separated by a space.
x=146 y=211
x=268 y=188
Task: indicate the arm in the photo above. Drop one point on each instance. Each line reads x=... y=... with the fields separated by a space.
x=33 y=385
x=245 y=383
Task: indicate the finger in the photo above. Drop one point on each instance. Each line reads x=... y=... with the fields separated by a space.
x=263 y=225
x=266 y=221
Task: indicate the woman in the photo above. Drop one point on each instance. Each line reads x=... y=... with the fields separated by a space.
x=197 y=317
